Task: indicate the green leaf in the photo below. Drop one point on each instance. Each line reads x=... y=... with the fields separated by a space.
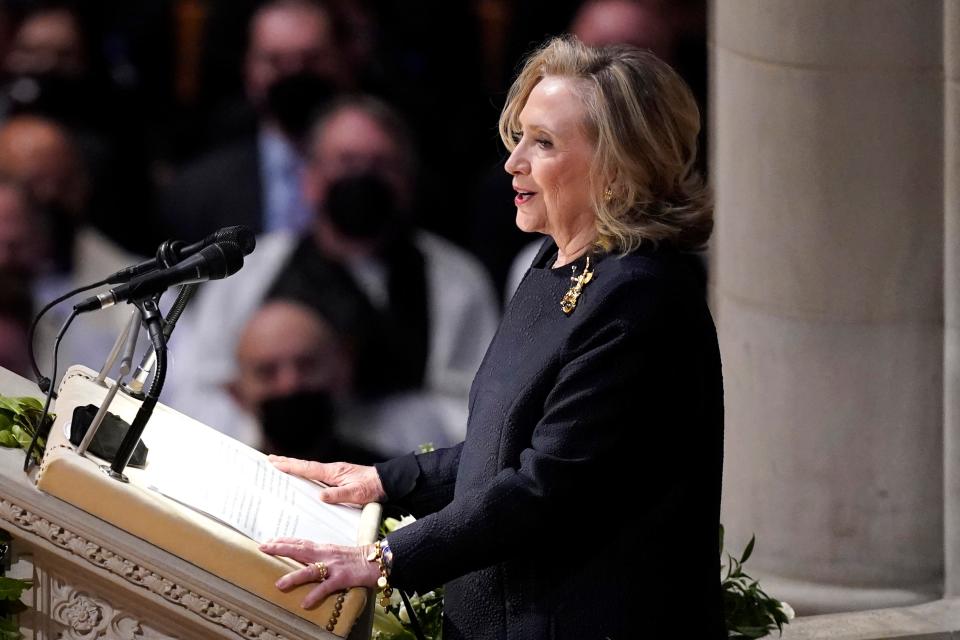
x=748 y=550
x=29 y=420
x=12 y=588
x=20 y=423
x=735 y=571
x=23 y=438
x=28 y=402
x=9 y=629
x=20 y=419
x=389 y=626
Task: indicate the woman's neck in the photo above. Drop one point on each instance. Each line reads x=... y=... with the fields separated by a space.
x=575 y=246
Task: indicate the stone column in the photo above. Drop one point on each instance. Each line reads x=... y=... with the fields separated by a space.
x=951 y=293
x=827 y=138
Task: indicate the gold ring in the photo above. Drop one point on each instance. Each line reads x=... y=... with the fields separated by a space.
x=323 y=571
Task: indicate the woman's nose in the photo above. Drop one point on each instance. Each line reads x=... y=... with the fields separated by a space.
x=516 y=163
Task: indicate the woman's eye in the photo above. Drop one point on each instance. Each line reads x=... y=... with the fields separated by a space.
x=544 y=143
x=515 y=136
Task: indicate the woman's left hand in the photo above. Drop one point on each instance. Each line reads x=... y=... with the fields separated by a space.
x=346 y=567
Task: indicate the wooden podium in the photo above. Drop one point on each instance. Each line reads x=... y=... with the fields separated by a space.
x=119 y=561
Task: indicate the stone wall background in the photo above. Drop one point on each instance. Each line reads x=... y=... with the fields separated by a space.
x=836 y=288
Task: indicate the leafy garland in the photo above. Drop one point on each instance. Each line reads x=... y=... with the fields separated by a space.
x=19 y=420
x=11 y=590
x=749 y=611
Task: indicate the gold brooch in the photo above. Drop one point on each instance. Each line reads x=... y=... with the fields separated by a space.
x=570 y=298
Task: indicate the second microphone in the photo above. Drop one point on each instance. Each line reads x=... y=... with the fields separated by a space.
x=214 y=262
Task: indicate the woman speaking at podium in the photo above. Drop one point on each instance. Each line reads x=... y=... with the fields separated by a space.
x=584 y=502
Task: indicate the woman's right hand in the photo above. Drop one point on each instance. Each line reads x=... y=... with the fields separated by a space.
x=349 y=483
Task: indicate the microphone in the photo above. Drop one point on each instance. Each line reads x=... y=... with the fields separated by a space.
x=212 y=263
x=241 y=235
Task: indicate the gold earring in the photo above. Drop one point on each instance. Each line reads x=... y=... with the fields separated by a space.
x=608 y=195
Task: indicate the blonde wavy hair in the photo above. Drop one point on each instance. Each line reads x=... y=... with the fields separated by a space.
x=644 y=121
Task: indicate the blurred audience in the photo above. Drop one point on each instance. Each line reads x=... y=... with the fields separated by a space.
x=646 y=25
x=418 y=311
x=49 y=40
x=16 y=312
x=53 y=70
x=432 y=73
x=291 y=68
x=40 y=154
x=348 y=310
x=24 y=236
x=23 y=254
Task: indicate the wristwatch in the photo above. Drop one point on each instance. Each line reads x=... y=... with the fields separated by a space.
x=387 y=554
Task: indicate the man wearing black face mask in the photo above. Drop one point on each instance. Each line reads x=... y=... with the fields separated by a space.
x=293 y=380
x=364 y=269
x=291 y=68
x=420 y=311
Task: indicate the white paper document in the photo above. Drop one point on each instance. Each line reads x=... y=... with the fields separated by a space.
x=237 y=485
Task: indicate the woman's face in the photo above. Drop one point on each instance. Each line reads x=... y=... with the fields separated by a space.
x=551 y=163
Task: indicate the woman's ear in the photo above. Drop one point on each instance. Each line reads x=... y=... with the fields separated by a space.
x=609 y=183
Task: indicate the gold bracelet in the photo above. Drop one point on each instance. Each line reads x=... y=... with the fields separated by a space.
x=376 y=555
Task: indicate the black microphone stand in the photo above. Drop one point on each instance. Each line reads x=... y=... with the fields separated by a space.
x=166 y=256
x=134 y=388
x=160 y=330
x=150 y=314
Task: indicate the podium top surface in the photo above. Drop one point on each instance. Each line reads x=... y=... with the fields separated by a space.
x=172 y=527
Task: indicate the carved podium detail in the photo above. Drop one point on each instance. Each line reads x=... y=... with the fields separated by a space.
x=86 y=617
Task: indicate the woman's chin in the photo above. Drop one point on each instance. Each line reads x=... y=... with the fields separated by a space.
x=529 y=223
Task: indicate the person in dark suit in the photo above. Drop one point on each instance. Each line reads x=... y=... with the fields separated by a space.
x=291 y=67
x=584 y=501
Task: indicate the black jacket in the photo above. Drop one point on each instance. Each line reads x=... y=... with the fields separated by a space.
x=584 y=502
